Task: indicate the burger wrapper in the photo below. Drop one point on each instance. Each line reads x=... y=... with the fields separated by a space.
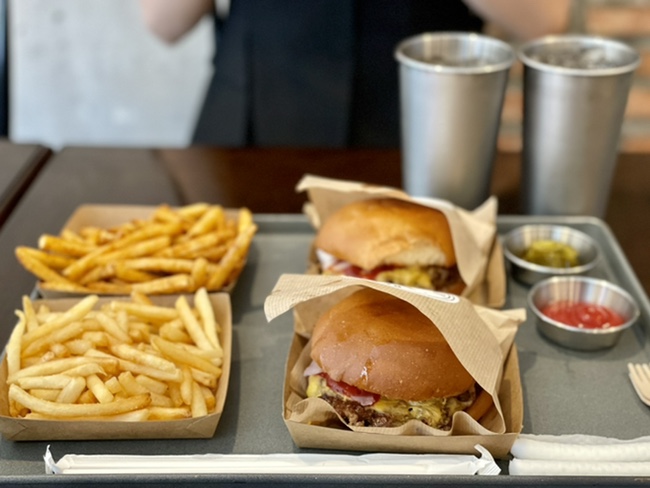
x=481 y=338
x=479 y=254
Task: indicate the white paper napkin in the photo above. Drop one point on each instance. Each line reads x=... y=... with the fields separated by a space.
x=370 y=464
x=580 y=455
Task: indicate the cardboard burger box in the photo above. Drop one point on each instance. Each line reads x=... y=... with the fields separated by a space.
x=482 y=339
x=478 y=250
x=21 y=429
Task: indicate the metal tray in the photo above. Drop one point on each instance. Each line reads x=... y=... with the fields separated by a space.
x=564 y=391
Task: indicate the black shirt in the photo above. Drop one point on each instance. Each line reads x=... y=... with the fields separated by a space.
x=317 y=73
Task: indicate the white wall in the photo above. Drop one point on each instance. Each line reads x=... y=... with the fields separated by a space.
x=87 y=72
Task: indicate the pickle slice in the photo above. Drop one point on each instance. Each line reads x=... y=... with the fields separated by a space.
x=551 y=253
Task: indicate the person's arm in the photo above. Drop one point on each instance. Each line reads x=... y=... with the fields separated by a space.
x=524 y=19
x=172 y=19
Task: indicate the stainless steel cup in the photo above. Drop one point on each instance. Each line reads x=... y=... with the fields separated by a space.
x=575 y=93
x=451 y=93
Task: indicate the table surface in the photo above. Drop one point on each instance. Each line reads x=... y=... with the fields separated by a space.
x=263 y=180
x=19 y=164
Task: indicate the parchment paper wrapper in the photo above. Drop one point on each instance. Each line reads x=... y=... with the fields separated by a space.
x=479 y=254
x=481 y=338
x=580 y=455
x=106 y=217
x=20 y=429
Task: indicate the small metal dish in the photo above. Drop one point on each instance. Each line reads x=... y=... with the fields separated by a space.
x=518 y=240
x=578 y=289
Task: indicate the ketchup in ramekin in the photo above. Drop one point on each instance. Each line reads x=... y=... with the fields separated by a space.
x=583 y=315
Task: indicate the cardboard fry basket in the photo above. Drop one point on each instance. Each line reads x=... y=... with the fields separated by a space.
x=109 y=216
x=20 y=429
x=478 y=250
x=481 y=338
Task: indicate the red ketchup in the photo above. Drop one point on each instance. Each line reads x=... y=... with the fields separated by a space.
x=583 y=315
x=357 y=272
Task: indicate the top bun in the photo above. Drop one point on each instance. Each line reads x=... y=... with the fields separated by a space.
x=384 y=345
x=373 y=232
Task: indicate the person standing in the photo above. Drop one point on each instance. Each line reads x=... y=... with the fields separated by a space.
x=321 y=73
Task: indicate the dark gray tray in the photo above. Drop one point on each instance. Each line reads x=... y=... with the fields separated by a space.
x=583 y=392
x=564 y=391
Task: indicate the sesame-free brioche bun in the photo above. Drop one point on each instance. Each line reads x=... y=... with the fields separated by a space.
x=384 y=345
x=380 y=231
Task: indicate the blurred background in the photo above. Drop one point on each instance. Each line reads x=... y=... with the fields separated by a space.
x=87 y=72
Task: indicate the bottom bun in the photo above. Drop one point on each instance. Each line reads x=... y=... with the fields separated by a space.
x=480 y=406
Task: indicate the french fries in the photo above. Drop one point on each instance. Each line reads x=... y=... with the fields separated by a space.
x=109 y=361
x=177 y=250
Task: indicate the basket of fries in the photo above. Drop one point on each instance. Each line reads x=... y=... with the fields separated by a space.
x=117 y=368
x=118 y=249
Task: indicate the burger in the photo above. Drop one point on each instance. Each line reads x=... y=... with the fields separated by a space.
x=379 y=362
x=391 y=240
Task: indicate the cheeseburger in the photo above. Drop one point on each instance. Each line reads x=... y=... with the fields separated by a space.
x=390 y=240
x=378 y=361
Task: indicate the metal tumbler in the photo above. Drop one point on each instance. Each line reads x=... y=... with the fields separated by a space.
x=452 y=86
x=575 y=93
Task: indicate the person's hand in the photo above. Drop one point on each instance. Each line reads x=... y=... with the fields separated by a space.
x=172 y=19
x=524 y=19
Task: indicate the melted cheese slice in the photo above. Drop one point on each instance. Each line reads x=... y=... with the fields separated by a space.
x=436 y=412
x=411 y=276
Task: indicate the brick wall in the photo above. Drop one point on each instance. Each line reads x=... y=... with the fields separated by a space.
x=624 y=20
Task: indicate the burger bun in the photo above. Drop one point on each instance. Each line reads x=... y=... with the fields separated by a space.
x=387 y=231
x=384 y=345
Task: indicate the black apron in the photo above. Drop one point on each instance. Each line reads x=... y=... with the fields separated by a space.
x=315 y=73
